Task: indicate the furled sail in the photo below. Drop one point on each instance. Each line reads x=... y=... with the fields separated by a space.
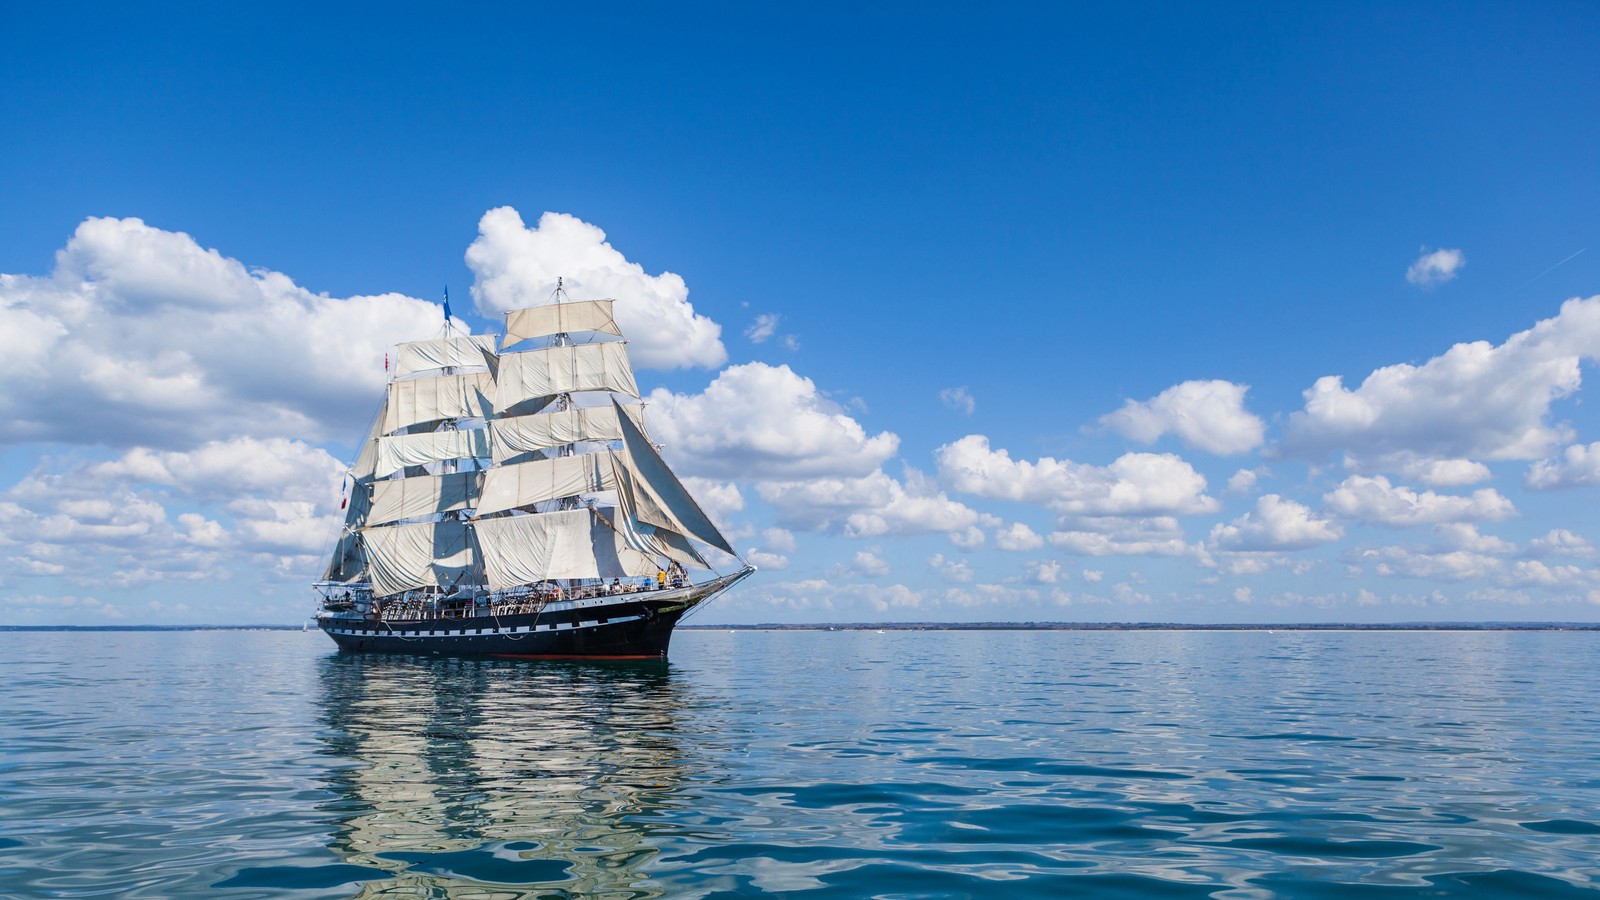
x=422 y=495
x=522 y=434
x=442 y=353
x=521 y=485
x=434 y=399
x=573 y=543
x=559 y=318
x=532 y=374
x=659 y=498
x=432 y=554
x=401 y=450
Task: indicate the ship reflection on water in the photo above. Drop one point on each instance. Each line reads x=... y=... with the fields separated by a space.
x=490 y=778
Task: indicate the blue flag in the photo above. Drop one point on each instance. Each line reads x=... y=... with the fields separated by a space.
x=447 y=315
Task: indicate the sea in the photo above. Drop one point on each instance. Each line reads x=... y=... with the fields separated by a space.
x=806 y=764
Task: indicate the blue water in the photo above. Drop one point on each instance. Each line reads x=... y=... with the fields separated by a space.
x=806 y=764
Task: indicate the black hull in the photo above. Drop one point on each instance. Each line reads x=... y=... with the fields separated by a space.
x=619 y=626
x=630 y=630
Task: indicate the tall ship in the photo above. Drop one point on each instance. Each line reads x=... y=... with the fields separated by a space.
x=508 y=501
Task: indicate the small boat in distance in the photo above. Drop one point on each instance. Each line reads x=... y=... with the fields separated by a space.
x=508 y=502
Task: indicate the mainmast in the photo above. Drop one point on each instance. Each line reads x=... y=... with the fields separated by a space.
x=564 y=399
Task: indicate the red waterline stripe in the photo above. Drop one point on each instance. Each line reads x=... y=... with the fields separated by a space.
x=574 y=656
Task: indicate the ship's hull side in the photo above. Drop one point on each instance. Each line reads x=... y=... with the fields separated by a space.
x=627 y=630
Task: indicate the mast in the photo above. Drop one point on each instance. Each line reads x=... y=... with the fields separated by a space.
x=564 y=399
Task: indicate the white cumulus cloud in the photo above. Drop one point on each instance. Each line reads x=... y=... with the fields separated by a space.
x=1446 y=472
x=764 y=422
x=1046 y=572
x=763 y=328
x=1374 y=499
x=517 y=266
x=766 y=560
x=1428 y=563
x=141 y=337
x=959 y=399
x=277 y=468
x=1208 y=415
x=1134 y=484
x=1561 y=542
x=1243 y=481
x=1465 y=536
x=1435 y=267
x=1156 y=536
x=869 y=563
x=55 y=525
x=1578 y=466
x=268 y=501
x=875 y=505
x=1476 y=400
x=779 y=539
x=1017 y=536
x=951 y=570
x=1276 y=524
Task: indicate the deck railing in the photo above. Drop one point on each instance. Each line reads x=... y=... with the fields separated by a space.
x=414 y=605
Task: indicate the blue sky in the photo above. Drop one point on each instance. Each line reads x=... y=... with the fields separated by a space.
x=982 y=231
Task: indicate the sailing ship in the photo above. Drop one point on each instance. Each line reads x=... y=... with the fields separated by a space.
x=508 y=501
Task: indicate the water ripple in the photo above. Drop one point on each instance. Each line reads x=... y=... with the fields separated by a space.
x=1236 y=765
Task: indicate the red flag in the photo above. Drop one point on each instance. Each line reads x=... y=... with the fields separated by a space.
x=386 y=362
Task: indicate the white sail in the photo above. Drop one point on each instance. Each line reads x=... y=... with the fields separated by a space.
x=349 y=561
x=522 y=398
x=560 y=318
x=659 y=498
x=521 y=485
x=422 y=495
x=522 y=434
x=649 y=539
x=433 y=399
x=401 y=450
x=362 y=470
x=432 y=554
x=532 y=374
x=441 y=353
x=640 y=552
x=573 y=543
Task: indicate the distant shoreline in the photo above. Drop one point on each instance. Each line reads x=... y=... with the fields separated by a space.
x=1158 y=626
x=964 y=626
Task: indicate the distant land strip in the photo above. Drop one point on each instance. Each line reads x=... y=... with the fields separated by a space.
x=1158 y=626
x=965 y=626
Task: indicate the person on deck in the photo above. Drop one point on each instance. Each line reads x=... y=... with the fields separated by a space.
x=661 y=579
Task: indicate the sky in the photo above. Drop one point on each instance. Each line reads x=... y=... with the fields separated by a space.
x=1167 y=313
